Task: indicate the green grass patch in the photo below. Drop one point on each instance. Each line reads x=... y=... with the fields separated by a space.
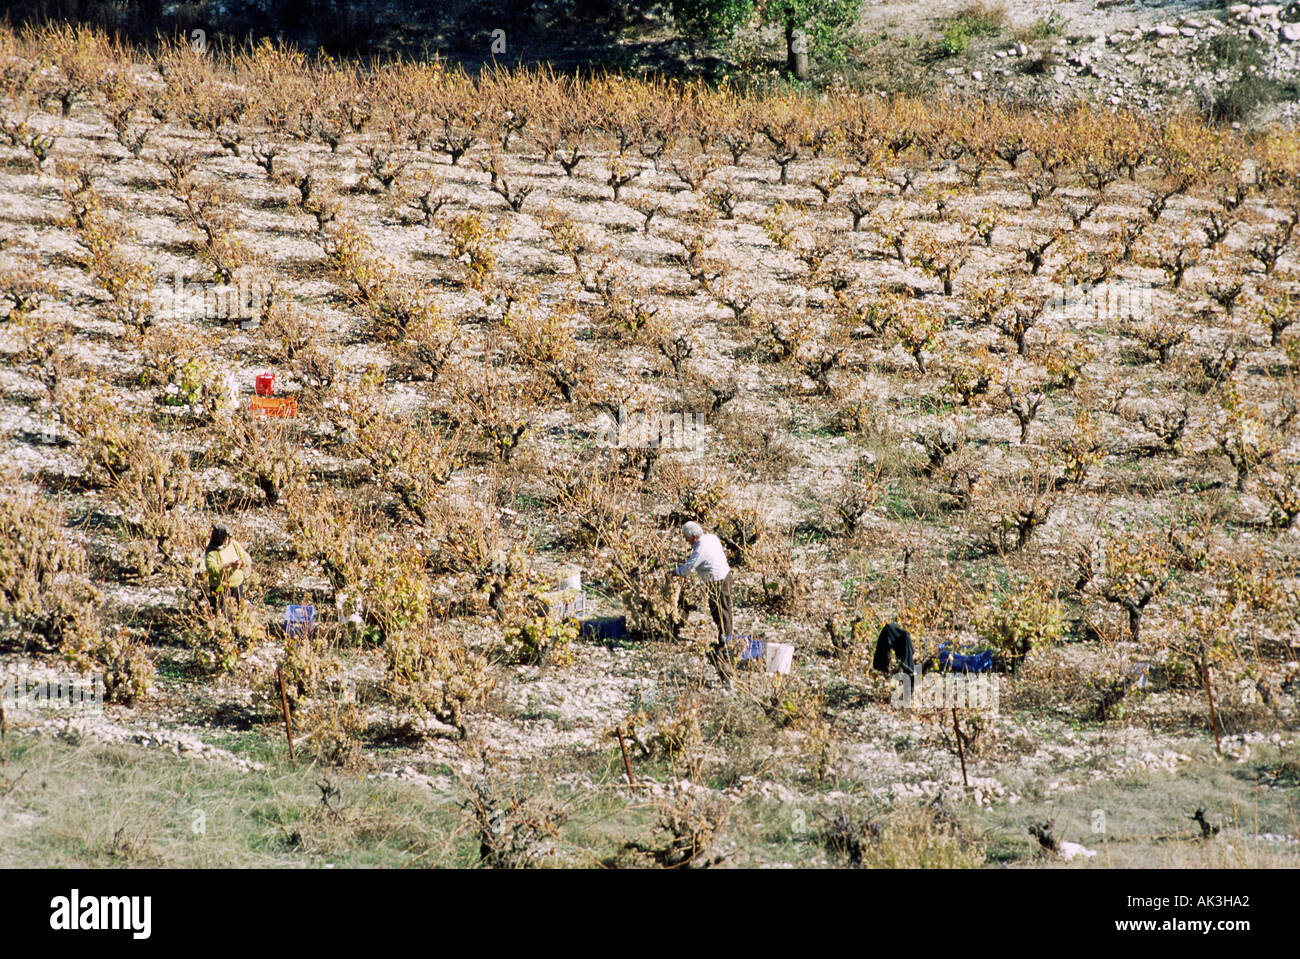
x=975 y=21
x=1046 y=28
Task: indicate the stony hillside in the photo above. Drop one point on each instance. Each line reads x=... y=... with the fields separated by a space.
x=1021 y=380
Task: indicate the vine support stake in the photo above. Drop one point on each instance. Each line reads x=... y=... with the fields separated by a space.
x=1209 y=695
x=284 y=707
x=961 y=749
x=627 y=766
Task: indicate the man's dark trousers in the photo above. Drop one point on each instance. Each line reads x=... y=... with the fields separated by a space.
x=721 y=655
x=720 y=606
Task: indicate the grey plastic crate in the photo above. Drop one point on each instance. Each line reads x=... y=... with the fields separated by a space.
x=567 y=604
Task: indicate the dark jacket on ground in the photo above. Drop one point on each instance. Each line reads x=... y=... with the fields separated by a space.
x=896 y=639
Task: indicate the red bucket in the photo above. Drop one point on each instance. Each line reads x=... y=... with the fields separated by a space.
x=264 y=384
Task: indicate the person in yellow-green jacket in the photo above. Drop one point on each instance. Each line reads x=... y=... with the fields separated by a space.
x=228 y=565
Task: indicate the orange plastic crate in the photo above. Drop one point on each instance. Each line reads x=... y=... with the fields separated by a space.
x=274 y=405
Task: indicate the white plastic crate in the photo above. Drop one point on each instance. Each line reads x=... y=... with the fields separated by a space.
x=567 y=604
x=777 y=657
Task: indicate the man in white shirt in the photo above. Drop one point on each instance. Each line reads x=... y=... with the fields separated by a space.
x=709 y=562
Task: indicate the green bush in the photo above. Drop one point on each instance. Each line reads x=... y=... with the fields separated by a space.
x=1047 y=27
x=961 y=28
x=539 y=639
x=1020 y=618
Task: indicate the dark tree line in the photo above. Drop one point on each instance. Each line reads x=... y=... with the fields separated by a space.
x=456 y=28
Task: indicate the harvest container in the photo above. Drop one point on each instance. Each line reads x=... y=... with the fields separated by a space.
x=778 y=657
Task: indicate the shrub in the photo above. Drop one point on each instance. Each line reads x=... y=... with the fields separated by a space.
x=1019 y=507
x=1135 y=570
x=410 y=456
x=494 y=166
x=976 y=20
x=127 y=670
x=917 y=330
x=156 y=493
x=430 y=672
x=912 y=837
x=360 y=559
x=782 y=587
x=109 y=438
x=82 y=57
x=330 y=732
x=1082 y=447
x=188 y=375
x=299 y=341
x=1016 y=620
x=400 y=593
x=1020 y=316
x=860 y=491
x=475 y=242
x=263 y=454
x=333 y=531
x=473 y=543
x=43 y=589
x=541 y=639
x=423 y=194
x=787 y=334
x=373 y=284
x=513 y=829
x=699 y=260
x=126 y=279
x=594 y=503
x=383 y=165
x=688 y=827
x=307 y=667
x=1175 y=254
x=677 y=736
x=1284 y=490
x=498 y=406
x=1065 y=361
x=637 y=568
x=939 y=257
x=216 y=640
x=968 y=374
x=25 y=289
x=1245 y=434
x=545 y=341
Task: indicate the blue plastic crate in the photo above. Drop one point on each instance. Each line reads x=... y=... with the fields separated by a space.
x=746 y=648
x=981 y=662
x=298 y=620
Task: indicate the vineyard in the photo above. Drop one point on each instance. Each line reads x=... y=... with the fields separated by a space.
x=1019 y=380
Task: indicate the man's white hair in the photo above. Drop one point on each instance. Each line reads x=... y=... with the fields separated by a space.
x=693 y=530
